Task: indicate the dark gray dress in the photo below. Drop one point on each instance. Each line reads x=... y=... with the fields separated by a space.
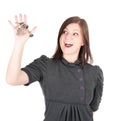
x=71 y=92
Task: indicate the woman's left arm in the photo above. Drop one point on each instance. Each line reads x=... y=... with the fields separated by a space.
x=98 y=89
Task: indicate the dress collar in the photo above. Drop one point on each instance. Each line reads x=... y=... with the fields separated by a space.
x=76 y=63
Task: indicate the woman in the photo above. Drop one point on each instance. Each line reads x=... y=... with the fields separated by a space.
x=72 y=87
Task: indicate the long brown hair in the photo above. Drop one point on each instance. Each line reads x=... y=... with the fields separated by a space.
x=85 y=52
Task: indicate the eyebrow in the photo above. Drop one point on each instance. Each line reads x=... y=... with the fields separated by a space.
x=73 y=29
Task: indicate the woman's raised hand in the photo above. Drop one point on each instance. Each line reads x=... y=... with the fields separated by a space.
x=21 y=29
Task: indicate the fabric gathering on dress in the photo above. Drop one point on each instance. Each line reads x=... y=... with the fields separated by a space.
x=71 y=92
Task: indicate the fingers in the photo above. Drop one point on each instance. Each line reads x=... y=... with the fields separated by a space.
x=20 y=18
x=33 y=30
x=16 y=19
x=21 y=27
x=11 y=23
x=25 y=19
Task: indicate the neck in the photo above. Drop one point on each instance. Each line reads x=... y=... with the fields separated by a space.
x=70 y=58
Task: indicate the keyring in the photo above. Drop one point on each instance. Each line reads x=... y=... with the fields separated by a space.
x=23 y=27
x=31 y=35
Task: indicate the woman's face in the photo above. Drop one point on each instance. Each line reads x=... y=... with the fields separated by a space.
x=71 y=40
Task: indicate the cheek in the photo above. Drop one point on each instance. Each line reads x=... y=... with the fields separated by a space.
x=76 y=42
x=61 y=42
x=79 y=42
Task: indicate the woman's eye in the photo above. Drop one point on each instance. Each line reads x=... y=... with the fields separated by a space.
x=65 y=32
x=75 y=34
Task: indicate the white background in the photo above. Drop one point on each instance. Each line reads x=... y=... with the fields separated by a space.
x=20 y=103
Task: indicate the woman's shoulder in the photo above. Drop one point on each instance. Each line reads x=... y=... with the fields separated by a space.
x=42 y=58
x=46 y=60
x=94 y=69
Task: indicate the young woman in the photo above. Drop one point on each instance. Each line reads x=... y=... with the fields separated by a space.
x=72 y=87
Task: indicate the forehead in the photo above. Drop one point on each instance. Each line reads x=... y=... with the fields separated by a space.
x=73 y=26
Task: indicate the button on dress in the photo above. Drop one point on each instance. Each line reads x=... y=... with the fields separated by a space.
x=71 y=92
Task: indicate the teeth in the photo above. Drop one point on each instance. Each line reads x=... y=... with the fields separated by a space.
x=68 y=43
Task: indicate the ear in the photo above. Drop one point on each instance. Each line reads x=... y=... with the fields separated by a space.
x=82 y=43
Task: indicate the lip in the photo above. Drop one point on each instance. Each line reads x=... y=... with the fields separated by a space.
x=68 y=44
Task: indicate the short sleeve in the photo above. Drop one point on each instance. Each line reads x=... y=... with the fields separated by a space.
x=98 y=89
x=36 y=69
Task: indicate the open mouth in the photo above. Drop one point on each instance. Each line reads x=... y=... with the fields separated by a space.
x=68 y=44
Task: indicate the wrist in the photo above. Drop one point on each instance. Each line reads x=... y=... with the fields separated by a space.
x=19 y=43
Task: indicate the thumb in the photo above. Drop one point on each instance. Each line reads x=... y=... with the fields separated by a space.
x=34 y=29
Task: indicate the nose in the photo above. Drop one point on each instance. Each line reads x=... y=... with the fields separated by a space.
x=68 y=36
